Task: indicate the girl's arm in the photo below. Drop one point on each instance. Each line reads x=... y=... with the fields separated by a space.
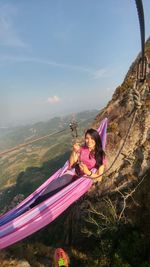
x=73 y=158
x=98 y=174
x=74 y=155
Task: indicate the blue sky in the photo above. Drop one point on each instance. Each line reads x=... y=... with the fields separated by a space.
x=64 y=56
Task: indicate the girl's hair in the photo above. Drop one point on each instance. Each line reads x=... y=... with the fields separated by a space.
x=98 y=152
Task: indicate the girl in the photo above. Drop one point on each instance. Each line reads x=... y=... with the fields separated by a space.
x=82 y=161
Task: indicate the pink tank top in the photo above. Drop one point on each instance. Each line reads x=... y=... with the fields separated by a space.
x=87 y=158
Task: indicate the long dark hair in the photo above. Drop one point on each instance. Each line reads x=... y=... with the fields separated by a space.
x=99 y=153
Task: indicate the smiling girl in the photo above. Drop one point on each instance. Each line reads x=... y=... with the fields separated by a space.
x=88 y=160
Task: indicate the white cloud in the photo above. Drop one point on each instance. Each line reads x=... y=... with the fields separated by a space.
x=8 y=33
x=53 y=99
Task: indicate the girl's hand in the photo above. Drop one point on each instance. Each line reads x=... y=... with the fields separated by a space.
x=76 y=147
x=84 y=168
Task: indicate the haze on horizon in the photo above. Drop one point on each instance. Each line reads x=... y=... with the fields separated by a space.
x=63 y=57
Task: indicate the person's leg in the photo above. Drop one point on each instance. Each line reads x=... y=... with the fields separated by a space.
x=58 y=183
x=53 y=188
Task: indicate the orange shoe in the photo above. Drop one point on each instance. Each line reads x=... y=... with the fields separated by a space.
x=60 y=258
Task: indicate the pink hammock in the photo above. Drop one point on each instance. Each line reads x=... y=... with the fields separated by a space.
x=47 y=211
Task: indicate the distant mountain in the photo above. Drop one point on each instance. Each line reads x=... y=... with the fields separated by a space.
x=14 y=136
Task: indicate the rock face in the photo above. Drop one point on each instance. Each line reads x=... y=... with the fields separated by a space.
x=130 y=173
x=134 y=159
x=16 y=200
x=23 y=264
x=14 y=263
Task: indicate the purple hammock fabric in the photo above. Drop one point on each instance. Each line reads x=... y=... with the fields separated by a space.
x=20 y=223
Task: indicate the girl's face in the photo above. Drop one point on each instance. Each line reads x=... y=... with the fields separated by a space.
x=90 y=142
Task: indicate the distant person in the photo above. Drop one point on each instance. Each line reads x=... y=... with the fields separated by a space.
x=81 y=162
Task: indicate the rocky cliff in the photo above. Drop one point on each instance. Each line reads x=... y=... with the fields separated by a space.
x=115 y=214
x=134 y=159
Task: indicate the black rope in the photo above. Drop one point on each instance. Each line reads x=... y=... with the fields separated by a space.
x=140 y=11
x=142 y=64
